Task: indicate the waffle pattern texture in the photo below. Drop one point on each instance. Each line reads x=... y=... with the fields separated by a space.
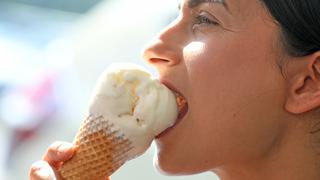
x=100 y=150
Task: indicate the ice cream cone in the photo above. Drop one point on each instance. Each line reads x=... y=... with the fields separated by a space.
x=100 y=151
x=127 y=111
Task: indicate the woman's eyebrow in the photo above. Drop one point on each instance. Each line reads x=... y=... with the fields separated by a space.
x=195 y=3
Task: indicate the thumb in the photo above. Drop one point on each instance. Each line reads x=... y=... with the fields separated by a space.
x=58 y=152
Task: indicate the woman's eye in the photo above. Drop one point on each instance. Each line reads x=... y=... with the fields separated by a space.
x=201 y=19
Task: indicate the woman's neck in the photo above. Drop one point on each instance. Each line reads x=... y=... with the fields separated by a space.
x=294 y=157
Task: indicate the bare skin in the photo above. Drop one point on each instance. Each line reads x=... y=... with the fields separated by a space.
x=247 y=117
x=246 y=120
x=56 y=154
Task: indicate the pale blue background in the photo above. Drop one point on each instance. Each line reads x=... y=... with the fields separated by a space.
x=76 y=39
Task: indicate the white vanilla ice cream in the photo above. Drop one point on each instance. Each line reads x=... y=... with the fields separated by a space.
x=136 y=104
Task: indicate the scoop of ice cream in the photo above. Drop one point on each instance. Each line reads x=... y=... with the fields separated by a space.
x=138 y=105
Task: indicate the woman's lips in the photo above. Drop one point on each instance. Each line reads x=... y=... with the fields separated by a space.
x=182 y=107
x=182 y=113
x=180 y=99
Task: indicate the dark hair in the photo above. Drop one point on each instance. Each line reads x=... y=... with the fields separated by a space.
x=299 y=21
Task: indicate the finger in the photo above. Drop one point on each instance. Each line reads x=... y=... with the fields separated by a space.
x=41 y=170
x=58 y=152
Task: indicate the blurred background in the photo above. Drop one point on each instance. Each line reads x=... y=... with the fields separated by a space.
x=51 y=53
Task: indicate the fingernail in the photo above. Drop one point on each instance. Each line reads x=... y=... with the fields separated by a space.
x=45 y=173
x=64 y=147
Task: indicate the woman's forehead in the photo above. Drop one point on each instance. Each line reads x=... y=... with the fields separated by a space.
x=193 y=3
x=230 y=5
x=239 y=9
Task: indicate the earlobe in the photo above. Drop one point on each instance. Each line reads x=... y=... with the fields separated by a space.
x=305 y=102
x=304 y=87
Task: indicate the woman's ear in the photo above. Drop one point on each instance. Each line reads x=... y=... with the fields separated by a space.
x=304 y=84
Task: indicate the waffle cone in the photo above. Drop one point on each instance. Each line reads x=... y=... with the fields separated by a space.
x=100 y=151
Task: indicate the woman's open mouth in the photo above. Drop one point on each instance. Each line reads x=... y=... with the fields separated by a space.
x=182 y=105
x=182 y=108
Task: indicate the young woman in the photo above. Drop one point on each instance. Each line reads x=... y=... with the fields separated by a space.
x=250 y=72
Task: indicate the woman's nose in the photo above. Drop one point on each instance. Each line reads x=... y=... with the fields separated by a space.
x=166 y=48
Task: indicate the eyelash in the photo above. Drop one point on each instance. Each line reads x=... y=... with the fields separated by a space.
x=201 y=19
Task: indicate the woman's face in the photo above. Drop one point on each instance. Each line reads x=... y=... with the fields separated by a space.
x=222 y=57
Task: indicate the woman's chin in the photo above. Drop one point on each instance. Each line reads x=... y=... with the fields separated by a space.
x=165 y=168
x=169 y=166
